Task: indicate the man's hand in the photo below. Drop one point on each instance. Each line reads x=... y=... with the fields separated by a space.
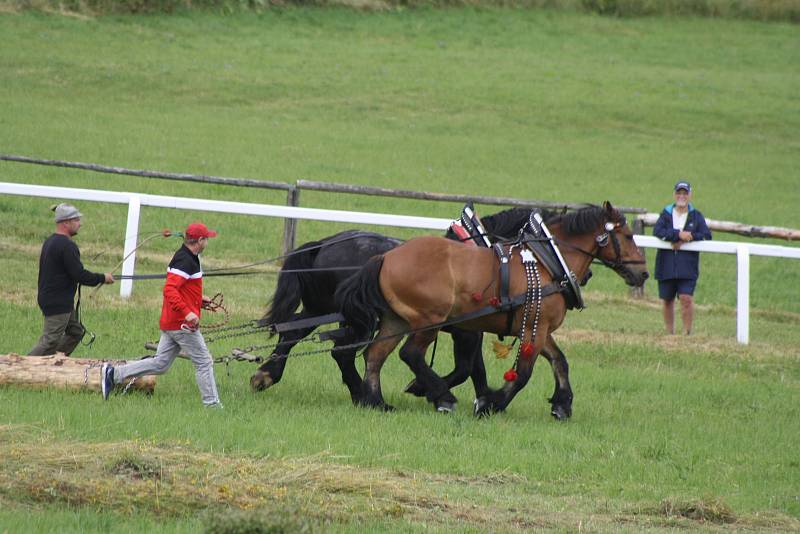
x=685 y=236
x=192 y=319
x=206 y=299
x=109 y=278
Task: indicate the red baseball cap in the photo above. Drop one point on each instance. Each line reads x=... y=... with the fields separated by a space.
x=198 y=230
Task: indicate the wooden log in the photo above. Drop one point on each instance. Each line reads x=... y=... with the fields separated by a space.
x=748 y=230
x=61 y=371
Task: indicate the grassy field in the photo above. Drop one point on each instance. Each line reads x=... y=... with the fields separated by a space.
x=668 y=433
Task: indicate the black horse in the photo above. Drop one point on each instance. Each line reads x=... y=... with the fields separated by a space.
x=311 y=274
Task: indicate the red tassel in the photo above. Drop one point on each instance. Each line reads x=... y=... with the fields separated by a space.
x=526 y=349
x=477 y=297
x=494 y=301
x=510 y=375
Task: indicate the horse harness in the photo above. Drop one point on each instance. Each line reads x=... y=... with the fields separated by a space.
x=537 y=246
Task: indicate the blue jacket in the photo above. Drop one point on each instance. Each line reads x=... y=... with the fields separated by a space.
x=679 y=263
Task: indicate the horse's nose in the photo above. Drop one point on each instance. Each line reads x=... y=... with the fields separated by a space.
x=645 y=275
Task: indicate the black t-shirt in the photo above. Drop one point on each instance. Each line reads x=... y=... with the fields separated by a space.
x=60 y=272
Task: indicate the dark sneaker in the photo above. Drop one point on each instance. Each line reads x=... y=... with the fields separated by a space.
x=106 y=379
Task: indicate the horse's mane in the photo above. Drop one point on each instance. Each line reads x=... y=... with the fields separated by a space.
x=506 y=224
x=585 y=219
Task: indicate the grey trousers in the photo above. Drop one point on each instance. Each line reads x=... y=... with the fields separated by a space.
x=61 y=333
x=170 y=344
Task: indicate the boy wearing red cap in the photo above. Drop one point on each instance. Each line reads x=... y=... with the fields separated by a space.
x=180 y=322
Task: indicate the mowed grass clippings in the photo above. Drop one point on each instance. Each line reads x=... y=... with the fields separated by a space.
x=232 y=491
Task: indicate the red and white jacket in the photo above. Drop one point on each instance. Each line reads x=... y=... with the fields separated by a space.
x=183 y=290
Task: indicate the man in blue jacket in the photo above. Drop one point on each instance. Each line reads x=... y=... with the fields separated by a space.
x=677 y=270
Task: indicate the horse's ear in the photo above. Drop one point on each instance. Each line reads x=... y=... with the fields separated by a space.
x=609 y=208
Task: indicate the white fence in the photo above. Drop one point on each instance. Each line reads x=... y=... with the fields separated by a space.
x=134 y=201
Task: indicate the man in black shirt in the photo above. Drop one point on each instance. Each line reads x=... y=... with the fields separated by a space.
x=60 y=272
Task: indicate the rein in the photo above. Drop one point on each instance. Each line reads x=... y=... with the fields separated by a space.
x=602 y=241
x=237 y=270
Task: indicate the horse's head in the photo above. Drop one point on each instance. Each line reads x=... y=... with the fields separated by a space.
x=617 y=250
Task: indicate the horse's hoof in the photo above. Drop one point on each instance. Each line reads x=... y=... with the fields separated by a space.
x=560 y=413
x=415 y=388
x=260 y=381
x=481 y=407
x=445 y=406
x=387 y=408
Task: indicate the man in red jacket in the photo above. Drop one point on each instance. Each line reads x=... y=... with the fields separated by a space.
x=180 y=322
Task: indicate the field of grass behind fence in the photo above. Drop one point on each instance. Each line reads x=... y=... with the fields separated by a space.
x=668 y=433
x=765 y=10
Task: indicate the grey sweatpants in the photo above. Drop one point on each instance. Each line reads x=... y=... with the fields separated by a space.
x=61 y=333
x=170 y=344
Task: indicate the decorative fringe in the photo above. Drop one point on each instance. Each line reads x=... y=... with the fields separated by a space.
x=501 y=350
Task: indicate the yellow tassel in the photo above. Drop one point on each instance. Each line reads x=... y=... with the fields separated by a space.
x=500 y=351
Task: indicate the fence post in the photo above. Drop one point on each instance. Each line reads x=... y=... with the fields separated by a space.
x=129 y=251
x=638 y=229
x=290 y=225
x=743 y=294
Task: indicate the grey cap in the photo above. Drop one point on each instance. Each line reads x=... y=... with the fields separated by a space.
x=65 y=212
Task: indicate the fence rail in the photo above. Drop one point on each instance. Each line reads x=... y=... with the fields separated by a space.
x=642 y=217
x=743 y=251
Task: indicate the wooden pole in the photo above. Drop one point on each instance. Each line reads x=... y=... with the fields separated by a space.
x=61 y=371
x=240 y=182
x=424 y=195
x=290 y=225
x=749 y=230
x=638 y=228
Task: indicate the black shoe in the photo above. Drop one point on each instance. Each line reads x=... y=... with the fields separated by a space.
x=106 y=379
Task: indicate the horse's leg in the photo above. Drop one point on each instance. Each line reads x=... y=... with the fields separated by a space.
x=346 y=360
x=271 y=371
x=413 y=354
x=498 y=400
x=561 y=400
x=478 y=373
x=391 y=329
x=468 y=358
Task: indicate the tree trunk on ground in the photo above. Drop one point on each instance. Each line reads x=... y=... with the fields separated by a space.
x=61 y=371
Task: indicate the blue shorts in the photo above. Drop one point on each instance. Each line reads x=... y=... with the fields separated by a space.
x=667 y=289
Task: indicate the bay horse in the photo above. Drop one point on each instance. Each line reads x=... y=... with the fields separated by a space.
x=310 y=276
x=428 y=280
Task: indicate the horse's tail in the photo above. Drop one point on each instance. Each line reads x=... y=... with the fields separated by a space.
x=289 y=291
x=360 y=299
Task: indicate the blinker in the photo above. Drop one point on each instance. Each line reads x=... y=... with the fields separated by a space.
x=610 y=226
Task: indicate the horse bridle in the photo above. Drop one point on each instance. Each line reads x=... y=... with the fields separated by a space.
x=602 y=240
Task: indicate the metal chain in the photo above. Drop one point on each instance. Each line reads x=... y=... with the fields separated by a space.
x=128 y=385
x=531 y=297
x=86 y=372
x=252 y=325
x=214 y=305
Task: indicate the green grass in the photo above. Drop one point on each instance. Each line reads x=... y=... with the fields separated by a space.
x=667 y=432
